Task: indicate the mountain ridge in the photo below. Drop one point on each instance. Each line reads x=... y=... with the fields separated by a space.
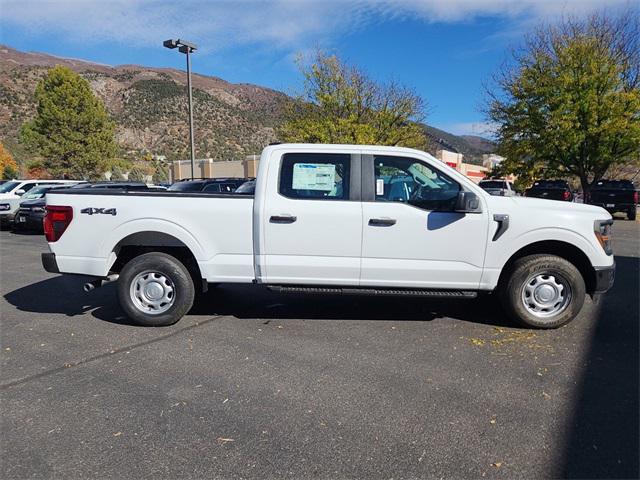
x=149 y=106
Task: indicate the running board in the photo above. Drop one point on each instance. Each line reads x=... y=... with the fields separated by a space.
x=391 y=292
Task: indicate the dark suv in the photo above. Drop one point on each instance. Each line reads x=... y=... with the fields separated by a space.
x=208 y=185
x=551 y=190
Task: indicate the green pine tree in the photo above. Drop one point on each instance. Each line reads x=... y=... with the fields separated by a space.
x=71 y=131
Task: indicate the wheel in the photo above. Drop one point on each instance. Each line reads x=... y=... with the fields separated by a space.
x=631 y=214
x=155 y=289
x=543 y=291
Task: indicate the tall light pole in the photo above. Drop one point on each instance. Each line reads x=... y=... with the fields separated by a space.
x=187 y=48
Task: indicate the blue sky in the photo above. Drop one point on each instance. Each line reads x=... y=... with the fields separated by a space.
x=444 y=49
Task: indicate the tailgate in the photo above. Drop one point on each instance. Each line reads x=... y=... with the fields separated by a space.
x=607 y=196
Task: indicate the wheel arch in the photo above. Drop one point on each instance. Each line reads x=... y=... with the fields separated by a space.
x=149 y=241
x=562 y=249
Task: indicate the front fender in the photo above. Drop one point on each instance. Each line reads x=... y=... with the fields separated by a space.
x=557 y=234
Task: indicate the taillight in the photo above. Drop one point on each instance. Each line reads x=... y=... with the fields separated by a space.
x=56 y=221
x=635 y=197
x=566 y=195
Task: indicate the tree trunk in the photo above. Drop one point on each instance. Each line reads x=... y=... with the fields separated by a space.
x=586 y=188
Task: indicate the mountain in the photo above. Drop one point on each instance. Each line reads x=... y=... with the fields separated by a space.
x=471 y=146
x=149 y=106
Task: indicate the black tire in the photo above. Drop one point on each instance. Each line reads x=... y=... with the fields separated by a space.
x=631 y=214
x=513 y=290
x=161 y=265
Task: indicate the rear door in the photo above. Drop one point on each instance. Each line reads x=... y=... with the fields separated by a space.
x=411 y=235
x=312 y=220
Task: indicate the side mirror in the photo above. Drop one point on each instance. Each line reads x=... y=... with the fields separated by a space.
x=467 y=202
x=19 y=192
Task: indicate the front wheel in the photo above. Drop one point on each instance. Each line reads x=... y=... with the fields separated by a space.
x=543 y=291
x=155 y=289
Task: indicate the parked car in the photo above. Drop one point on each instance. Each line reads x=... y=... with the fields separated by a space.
x=118 y=185
x=615 y=196
x=502 y=188
x=208 y=185
x=316 y=225
x=31 y=209
x=550 y=190
x=11 y=194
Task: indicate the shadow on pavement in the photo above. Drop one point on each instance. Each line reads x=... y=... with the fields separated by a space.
x=603 y=434
x=64 y=295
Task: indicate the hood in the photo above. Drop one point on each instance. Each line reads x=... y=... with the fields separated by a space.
x=8 y=196
x=550 y=205
x=36 y=202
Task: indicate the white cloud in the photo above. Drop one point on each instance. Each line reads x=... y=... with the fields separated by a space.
x=277 y=24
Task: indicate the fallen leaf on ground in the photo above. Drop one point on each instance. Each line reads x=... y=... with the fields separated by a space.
x=496 y=464
x=222 y=441
x=117 y=434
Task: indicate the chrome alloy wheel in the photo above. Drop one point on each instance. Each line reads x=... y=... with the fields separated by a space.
x=546 y=294
x=152 y=292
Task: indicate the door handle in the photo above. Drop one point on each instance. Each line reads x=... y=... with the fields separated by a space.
x=282 y=219
x=382 y=222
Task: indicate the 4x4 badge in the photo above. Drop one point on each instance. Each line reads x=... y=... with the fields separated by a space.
x=96 y=211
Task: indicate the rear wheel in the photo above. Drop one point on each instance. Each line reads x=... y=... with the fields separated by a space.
x=155 y=289
x=543 y=291
x=631 y=214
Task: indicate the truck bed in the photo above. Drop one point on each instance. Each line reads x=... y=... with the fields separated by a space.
x=216 y=228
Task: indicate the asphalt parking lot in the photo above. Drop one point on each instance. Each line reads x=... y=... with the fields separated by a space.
x=258 y=385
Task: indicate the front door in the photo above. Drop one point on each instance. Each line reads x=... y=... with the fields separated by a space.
x=313 y=224
x=411 y=235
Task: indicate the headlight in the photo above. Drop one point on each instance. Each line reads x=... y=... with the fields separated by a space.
x=4 y=207
x=602 y=229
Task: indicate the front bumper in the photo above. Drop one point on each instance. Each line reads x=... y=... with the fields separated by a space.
x=31 y=222
x=6 y=219
x=605 y=277
x=49 y=262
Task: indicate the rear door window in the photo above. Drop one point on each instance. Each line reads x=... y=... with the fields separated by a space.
x=315 y=176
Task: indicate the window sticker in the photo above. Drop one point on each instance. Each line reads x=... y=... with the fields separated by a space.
x=379 y=186
x=314 y=176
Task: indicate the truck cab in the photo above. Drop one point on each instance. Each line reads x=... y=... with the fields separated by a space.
x=338 y=219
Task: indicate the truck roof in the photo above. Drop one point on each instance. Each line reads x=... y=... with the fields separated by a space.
x=342 y=148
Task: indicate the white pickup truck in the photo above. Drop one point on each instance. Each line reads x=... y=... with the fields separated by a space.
x=336 y=219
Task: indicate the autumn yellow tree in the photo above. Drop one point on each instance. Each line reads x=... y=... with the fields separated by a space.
x=342 y=104
x=8 y=166
x=569 y=104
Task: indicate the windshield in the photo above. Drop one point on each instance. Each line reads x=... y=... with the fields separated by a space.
x=7 y=187
x=36 y=192
x=186 y=187
x=550 y=184
x=615 y=184
x=493 y=184
x=247 y=187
